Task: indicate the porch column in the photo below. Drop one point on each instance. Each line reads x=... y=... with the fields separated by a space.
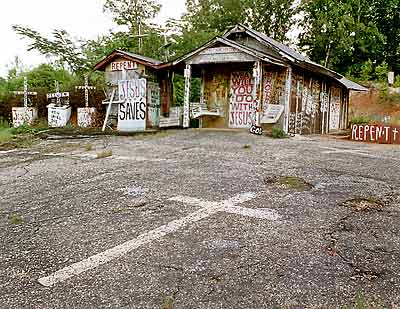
x=288 y=92
x=258 y=77
x=186 y=100
x=202 y=89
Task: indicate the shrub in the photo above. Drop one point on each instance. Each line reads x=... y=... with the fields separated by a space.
x=362 y=119
x=278 y=133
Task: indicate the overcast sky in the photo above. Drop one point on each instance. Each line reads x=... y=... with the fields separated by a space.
x=81 y=18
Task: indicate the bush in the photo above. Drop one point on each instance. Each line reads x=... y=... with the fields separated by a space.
x=278 y=133
x=362 y=119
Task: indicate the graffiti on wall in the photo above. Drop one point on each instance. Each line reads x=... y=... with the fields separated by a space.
x=58 y=116
x=132 y=113
x=153 y=95
x=217 y=95
x=23 y=115
x=382 y=134
x=334 y=108
x=242 y=107
x=279 y=88
x=86 y=117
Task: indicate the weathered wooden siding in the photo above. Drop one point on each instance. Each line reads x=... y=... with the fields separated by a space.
x=215 y=96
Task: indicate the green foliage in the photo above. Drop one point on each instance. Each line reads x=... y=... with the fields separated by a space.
x=16 y=219
x=278 y=133
x=397 y=82
x=5 y=134
x=66 y=52
x=4 y=124
x=132 y=13
x=381 y=72
x=361 y=119
x=366 y=70
x=351 y=35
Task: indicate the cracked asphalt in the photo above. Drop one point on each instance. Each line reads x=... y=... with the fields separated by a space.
x=61 y=205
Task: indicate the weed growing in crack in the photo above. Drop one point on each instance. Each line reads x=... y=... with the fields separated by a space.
x=88 y=147
x=288 y=182
x=246 y=146
x=168 y=302
x=364 y=204
x=16 y=219
x=104 y=154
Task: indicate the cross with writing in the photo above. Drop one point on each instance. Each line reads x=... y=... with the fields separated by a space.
x=86 y=88
x=206 y=209
x=25 y=93
x=57 y=95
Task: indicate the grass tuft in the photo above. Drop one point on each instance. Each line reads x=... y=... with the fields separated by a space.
x=278 y=133
x=88 y=147
x=16 y=219
x=246 y=146
x=288 y=182
x=104 y=154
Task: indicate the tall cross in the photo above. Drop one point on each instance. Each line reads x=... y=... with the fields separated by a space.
x=25 y=93
x=57 y=95
x=86 y=88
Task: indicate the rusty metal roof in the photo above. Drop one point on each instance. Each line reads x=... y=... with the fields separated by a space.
x=294 y=56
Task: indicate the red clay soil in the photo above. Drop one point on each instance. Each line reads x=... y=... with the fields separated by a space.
x=373 y=105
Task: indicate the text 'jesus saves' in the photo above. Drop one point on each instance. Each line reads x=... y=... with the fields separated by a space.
x=132 y=111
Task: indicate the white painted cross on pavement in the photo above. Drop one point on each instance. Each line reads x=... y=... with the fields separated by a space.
x=207 y=209
x=86 y=87
x=25 y=93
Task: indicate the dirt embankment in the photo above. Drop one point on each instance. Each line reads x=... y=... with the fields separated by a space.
x=375 y=105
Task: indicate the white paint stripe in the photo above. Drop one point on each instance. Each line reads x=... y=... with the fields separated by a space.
x=266 y=214
x=122 y=249
x=118 y=251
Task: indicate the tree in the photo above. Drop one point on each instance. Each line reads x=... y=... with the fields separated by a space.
x=272 y=17
x=387 y=19
x=135 y=14
x=65 y=51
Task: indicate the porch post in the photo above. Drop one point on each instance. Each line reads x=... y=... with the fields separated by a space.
x=186 y=101
x=202 y=101
x=258 y=77
x=288 y=92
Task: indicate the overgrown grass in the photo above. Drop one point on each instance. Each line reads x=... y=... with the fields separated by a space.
x=5 y=135
x=361 y=119
x=278 y=133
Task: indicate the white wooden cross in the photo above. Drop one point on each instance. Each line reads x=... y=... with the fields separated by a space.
x=86 y=87
x=58 y=95
x=25 y=93
x=207 y=209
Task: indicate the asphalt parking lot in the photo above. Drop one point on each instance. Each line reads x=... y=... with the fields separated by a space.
x=200 y=219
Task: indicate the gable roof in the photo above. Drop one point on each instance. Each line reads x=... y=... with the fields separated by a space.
x=243 y=48
x=294 y=56
x=147 y=61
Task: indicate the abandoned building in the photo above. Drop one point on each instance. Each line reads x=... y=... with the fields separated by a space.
x=247 y=79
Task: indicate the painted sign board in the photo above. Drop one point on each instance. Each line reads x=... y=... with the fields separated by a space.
x=58 y=116
x=123 y=66
x=24 y=115
x=272 y=113
x=132 y=113
x=242 y=105
x=86 y=117
x=382 y=134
